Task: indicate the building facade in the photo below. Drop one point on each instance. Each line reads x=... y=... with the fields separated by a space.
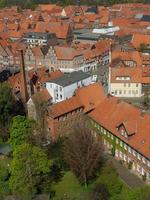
x=65 y=86
x=125 y=134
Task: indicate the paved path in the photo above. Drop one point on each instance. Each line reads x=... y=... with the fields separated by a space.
x=129 y=178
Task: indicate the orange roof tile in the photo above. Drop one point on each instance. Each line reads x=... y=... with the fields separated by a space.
x=140 y=39
x=115 y=112
x=128 y=56
x=90 y=96
x=64 y=107
x=66 y=53
x=61 y=29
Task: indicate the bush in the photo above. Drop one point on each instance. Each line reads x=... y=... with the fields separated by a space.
x=130 y=165
x=100 y=192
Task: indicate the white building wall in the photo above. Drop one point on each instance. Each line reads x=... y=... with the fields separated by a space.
x=126 y=89
x=70 y=89
x=60 y=93
x=51 y=89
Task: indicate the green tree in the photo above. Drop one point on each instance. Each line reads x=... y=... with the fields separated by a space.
x=83 y=151
x=4 y=176
x=100 y=192
x=146 y=102
x=28 y=168
x=7 y=103
x=20 y=131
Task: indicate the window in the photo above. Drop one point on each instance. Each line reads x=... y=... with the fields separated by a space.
x=122 y=132
x=129 y=84
x=148 y=163
x=143 y=160
x=117 y=141
x=112 y=137
x=121 y=143
x=134 y=153
x=60 y=89
x=138 y=168
x=137 y=84
x=124 y=84
x=104 y=131
x=125 y=146
x=139 y=156
x=129 y=149
x=60 y=96
x=120 y=92
x=142 y=171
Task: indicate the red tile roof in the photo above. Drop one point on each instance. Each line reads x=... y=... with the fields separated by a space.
x=112 y=112
x=90 y=96
x=140 y=39
x=66 y=53
x=64 y=107
x=61 y=29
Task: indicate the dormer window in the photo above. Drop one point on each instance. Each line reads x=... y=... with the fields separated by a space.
x=127 y=128
x=123 y=133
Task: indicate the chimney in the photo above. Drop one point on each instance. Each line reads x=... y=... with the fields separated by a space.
x=24 y=91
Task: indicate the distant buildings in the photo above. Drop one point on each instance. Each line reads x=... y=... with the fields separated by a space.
x=39 y=39
x=129 y=74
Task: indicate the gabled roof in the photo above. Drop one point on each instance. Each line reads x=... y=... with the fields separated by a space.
x=64 y=107
x=111 y=112
x=128 y=56
x=130 y=127
x=66 y=53
x=139 y=39
x=91 y=96
x=61 y=29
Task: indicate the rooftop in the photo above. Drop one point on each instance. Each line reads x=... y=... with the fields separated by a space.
x=69 y=79
x=38 y=35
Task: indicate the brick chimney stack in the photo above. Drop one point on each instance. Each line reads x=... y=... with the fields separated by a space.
x=24 y=91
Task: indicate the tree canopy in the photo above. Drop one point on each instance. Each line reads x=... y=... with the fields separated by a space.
x=28 y=167
x=83 y=151
x=7 y=103
x=20 y=131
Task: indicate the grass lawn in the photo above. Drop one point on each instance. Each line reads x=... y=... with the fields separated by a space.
x=70 y=188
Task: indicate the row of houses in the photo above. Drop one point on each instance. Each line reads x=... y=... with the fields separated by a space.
x=123 y=128
x=68 y=59
x=129 y=74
